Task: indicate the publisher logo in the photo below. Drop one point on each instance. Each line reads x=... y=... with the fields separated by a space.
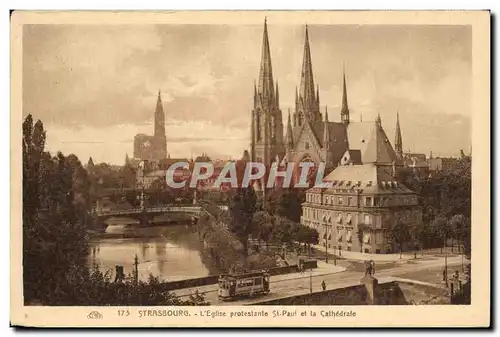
x=94 y=315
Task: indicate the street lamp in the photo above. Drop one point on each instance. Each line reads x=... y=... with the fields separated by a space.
x=445 y=264
x=310 y=280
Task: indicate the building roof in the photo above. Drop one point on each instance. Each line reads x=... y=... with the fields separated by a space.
x=371 y=140
x=368 y=138
x=337 y=135
x=369 y=178
x=351 y=157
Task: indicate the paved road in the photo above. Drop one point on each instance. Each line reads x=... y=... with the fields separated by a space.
x=301 y=284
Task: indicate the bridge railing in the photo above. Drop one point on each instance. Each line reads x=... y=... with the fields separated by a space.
x=168 y=208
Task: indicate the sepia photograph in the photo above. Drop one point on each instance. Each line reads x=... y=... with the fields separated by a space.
x=260 y=159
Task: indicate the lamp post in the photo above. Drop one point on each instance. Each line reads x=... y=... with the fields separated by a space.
x=310 y=280
x=445 y=264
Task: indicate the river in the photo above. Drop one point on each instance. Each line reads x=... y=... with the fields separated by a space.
x=169 y=252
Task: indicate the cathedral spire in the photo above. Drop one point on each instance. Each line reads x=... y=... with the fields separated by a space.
x=159 y=117
x=289 y=133
x=326 y=132
x=160 y=137
x=307 y=94
x=398 y=142
x=344 y=112
x=378 y=120
x=266 y=83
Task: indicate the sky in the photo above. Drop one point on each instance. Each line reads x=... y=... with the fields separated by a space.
x=95 y=86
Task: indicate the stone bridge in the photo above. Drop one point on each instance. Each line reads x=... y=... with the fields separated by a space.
x=147 y=214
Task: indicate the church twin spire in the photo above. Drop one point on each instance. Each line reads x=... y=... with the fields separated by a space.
x=266 y=89
x=307 y=92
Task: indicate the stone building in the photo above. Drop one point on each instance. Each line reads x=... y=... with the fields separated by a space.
x=153 y=148
x=357 y=212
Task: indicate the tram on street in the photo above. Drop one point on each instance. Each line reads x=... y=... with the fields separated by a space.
x=232 y=286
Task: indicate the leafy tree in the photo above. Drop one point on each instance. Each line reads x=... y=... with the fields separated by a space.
x=242 y=206
x=55 y=204
x=420 y=232
x=286 y=202
x=460 y=227
x=441 y=229
x=399 y=233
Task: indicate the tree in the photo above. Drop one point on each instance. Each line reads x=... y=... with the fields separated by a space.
x=420 y=233
x=286 y=202
x=400 y=234
x=242 y=206
x=460 y=227
x=261 y=226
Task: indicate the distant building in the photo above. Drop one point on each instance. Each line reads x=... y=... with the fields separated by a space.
x=365 y=198
x=416 y=163
x=154 y=147
x=441 y=164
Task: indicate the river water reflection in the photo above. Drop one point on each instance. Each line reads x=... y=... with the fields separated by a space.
x=170 y=252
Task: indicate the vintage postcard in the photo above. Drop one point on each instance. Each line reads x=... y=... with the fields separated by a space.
x=256 y=169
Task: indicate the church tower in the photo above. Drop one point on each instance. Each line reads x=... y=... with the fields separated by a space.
x=344 y=112
x=307 y=101
x=160 y=138
x=398 y=142
x=267 y=121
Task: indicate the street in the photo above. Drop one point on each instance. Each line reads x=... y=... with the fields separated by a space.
x=299 y=283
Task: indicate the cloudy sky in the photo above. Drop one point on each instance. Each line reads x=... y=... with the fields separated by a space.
x=95 y=86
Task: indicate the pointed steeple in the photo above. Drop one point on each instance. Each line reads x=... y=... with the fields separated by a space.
x=317 y=96
x=306 y=93
x=255 y=95
x=344 y=112
x=266 y=83
x=159 y=117
x=326 y=132
x=398 y=142
x=277 y=96
x=289 y=133
x=378 y=120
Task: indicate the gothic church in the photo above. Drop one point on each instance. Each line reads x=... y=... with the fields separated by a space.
x=310 y=136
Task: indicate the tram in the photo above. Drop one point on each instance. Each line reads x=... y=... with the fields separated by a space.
x=232 y=286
